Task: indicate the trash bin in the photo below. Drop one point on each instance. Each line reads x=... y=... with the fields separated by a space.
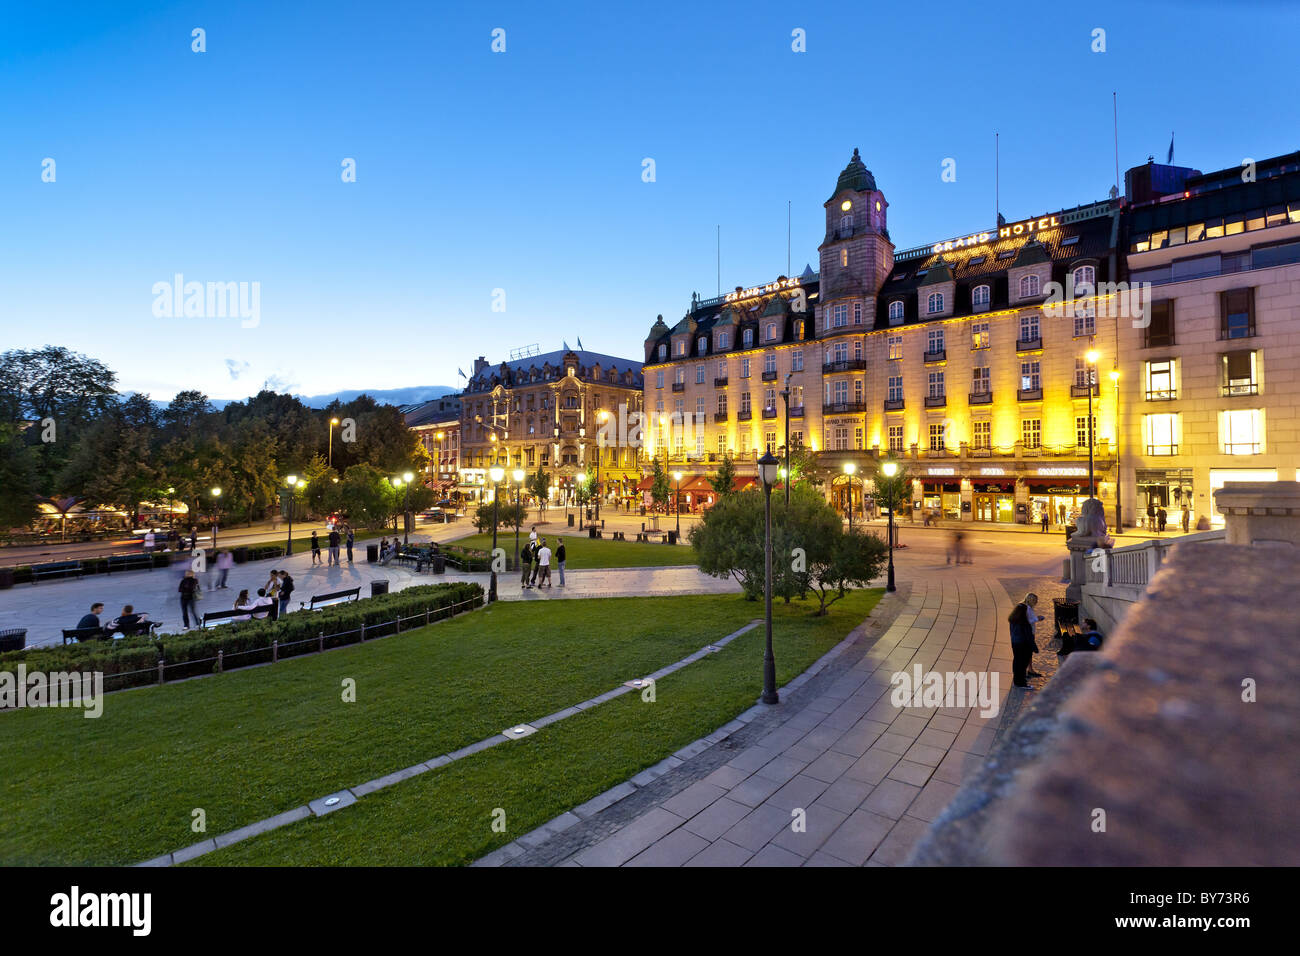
x=241 y=555
x=378 y=587
x=372 y=553
x=672 y=537
x=439 y=564
x=591 y=532
x=6 y=578
x=643 y=511
x=1064 y=612
x=570 y=521
x=13 y=639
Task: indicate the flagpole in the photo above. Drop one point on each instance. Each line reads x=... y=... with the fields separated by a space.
x=1114 y=106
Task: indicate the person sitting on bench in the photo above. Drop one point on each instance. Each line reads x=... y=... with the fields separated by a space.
x=91 y=620
x=128 y=622
x=1086 y=638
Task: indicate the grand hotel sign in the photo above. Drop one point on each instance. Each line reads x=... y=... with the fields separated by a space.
x=1024 y=228
x=754 y=291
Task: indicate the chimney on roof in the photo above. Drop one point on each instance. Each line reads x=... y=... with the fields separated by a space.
x=480 y=364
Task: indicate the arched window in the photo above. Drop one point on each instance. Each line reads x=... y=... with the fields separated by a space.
x=846 y=225
x=748 y=337
x=895 y=310
x=1085 y=280
x=935 y=303
x=663 y=352
x=979 y=296
x=771 y=331
x=702 y=344
x=1028 y=286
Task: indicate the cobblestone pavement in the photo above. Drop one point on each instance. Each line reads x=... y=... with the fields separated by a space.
x=865 y=777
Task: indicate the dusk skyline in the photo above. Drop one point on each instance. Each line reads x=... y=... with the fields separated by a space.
x=520 y=171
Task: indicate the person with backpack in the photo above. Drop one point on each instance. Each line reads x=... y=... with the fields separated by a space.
x=1023 y=646
x=559 y=560
x=286 y=590
x=525 y=564
x=189 y=590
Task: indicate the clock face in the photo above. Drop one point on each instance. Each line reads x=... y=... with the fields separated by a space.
x=846 y=205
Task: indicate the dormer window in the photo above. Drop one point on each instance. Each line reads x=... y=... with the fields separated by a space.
x=724 y=340
x=702 y=344
x=979 y=297
x=1028 y=286
x=896 y=311
x=679 y=347
x=748 y=337
x=663 y=352
x=1085 y=279
x=771 y=332
x=846 y=226
x=934 y=304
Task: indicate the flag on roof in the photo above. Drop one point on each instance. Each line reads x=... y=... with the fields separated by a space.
x=579 y=343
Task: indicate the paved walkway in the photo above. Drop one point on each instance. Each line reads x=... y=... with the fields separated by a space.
x=869 y=776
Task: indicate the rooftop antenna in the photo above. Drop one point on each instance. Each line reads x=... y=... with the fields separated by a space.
x=524 y=352
x=787 y=238
x=1114 y=106
x=997 y=184
x=719 y=260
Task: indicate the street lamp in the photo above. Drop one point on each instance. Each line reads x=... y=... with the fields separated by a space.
x=496 y=473
x=849 y=469
x=333 y=422
x=518 y=475
x=1091 y=355
x=890 y=469
x=216 y=499
x=677 y=501
x=406 y=479
x=767 y=472
x=1119 y=475
x=601 y=416
x=292 y=483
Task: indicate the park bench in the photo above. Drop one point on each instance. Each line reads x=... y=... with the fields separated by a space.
x=61 y=568
x=77 y=634
x=217 y=618
x=129 y=562
x=319 y=601
x=139 y=627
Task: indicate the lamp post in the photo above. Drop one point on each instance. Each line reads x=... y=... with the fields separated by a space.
x=767 y=473
x=1119 y=474
x=333 y=422
x=677 y=501
x=849 y=469
x=216 y=499
x=439 y=436
x=496 y=473
x=292 y=483
x=407 y=478
x=890 y=470
x=785 y=475
x=1091 y=356
x=518 y=475
x=601 y=416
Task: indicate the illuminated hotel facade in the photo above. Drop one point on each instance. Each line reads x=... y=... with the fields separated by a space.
x=967 y=358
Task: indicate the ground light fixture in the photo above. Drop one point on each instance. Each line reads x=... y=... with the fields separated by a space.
x=767 y=469
x=677 y=501
x=216 y=498
x=849 y=469
x=496 y=473
x=890 y=469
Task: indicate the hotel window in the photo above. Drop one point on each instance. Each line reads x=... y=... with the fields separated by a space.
x=1083 y=375
x=771 y=331
x=1028 y=286
x=839 y=438
x=699 y=375
x=724 y=340
x=1160 y=381
x=979 y=383
x=1160 y=433
x=722 y=370
x=936 y=384
x=840 y=392
x=1029 y=376
x=679 y=406
x=796 y=439
x=722 y=403
x=663 y=352
x=1085 y=280
x=699 y=445
x=979 y=335
x=983 y=434
x=895 y=437
x=681 y=446
x=679 y=375
x=857 y=350
x=769 y=442
x=934 y=303
x=1081 y=430
x=1029 y=328
x=1031 y=432
x=679 y=347
x=936 y=436
x=1159 y=332
x=857 y=313
x=796 y=396
x=839 y=316
x=699 y=410
x=769 y=400
x=896 y=388
x=744 y=403
x=935 y=340
x=722 y=445
x=748 y=337
x=844 y=258
x=1237 y=314
x=659 y=378
x=1085 y=322
x=846 y=226
x=796 y=360
x=744 y=368
x=979 y=297
x=857 y=390
x=857 y=438
x=798 y=331
x=659 y=407
x=769 y=362
x=896 y=311
x=745 y=440
x=1239 y=373
x=895 y=346
x=1242 y=430
x=702 y=345
x=840 y=352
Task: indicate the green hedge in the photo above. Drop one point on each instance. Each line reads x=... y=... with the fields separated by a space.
x=249 y=642
x=470 y=559
x=161 y=559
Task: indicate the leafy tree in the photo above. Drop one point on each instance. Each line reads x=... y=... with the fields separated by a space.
x=539 y=486
x=893 y=493
x=323 y=495
x=112 y=464
x=17 y=478
x=365 y=496
x=724 y=480
x=805 y=466
x=660 y=489
x=508 y=515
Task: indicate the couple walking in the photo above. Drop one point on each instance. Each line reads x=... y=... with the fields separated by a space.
x=535 y=562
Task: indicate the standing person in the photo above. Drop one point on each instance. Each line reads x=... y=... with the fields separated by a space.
x=532 y=535
x=272 y=586
x=1022 y=644
x=544 y=565
x=559 y=559
x=1151 y=514
x=225 y=561
x=351 y=540
x=149 y=540
x=1031 y=602
x=315 y=550
x=1163 y=517
x=189 y=590
x=334 y=545
x=1187 y=518
x=194 y=538
x=286 y=590
x=525 y=563
x=1046 y=519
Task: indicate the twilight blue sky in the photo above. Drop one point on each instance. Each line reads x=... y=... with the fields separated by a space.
x=522 y=170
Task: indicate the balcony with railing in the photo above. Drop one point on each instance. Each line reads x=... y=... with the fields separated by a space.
x=980 y=398
x=720 y=382
x=1029 y=345
x=843 y=408
x=936 y=401
x=893 y=404
x=1240 y=388
x=744 y=415
x=844 y=365
x=796 y=411
x=769 y=375
x=719 y=416
x=679 y=386
x=1161 y=394
x=938 y=355
x=769 y=411
x=1081 y=391
x=1030 y=394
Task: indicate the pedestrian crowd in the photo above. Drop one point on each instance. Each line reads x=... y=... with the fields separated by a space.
x=535 y=561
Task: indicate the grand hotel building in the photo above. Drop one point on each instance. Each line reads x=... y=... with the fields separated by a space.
x=962 y=357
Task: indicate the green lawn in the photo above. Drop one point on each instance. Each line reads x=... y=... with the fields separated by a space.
x=252 y=743
x=583 y=552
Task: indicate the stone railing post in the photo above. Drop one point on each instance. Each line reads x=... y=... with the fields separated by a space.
x=1264 y=513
